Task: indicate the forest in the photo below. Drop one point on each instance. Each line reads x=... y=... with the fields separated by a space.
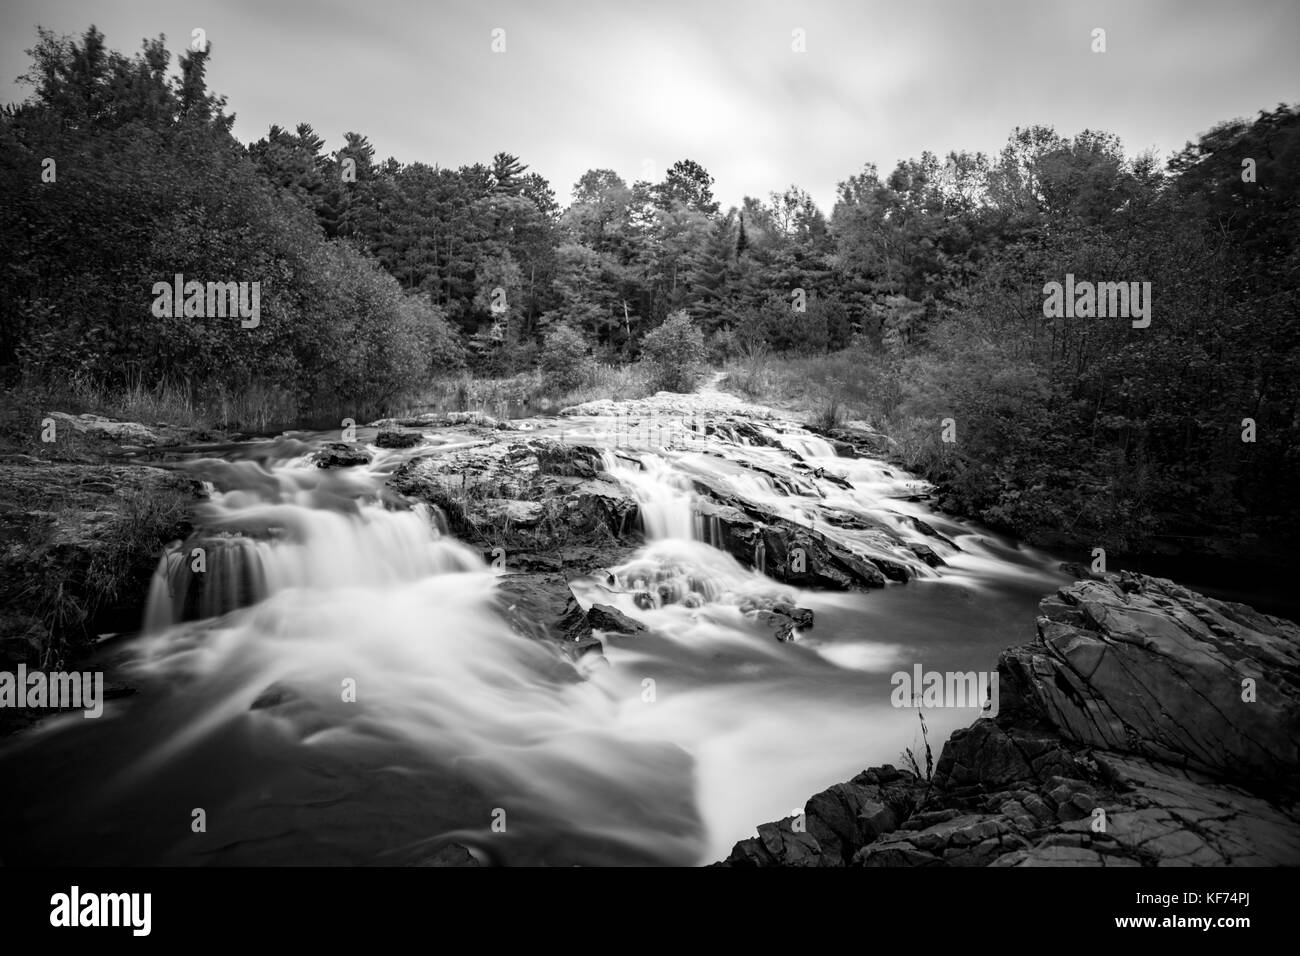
x=916 y=303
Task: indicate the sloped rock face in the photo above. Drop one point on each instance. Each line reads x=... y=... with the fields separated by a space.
x=1144 y=666
x=1124 y=738
x=771 y=546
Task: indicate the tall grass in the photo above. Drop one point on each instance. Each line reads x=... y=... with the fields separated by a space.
x=829 y=389
x=262 y=408
x=173 y=402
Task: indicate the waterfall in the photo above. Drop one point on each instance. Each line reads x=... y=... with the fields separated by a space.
x=337 y=633
x=665 y=496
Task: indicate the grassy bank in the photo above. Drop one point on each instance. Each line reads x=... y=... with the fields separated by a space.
x=261 y=409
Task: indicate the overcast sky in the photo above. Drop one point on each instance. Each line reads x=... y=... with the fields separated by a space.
x=588 y=84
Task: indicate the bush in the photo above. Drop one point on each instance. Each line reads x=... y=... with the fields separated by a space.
x=566 y=362
x=675 y=353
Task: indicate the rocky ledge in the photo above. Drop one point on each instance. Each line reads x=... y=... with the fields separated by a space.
x=1147 y=725
x=78 y=544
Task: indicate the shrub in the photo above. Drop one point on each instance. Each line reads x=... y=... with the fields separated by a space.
x=675 y=353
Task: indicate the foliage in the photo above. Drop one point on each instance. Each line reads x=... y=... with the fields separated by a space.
x=566 y=364
x=917 y=299
x=675 y=353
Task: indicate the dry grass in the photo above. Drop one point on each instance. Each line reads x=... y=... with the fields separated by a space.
x=528 y=392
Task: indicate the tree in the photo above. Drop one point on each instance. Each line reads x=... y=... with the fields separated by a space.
x=688 y=183
x=507 y=174
x=712 y=269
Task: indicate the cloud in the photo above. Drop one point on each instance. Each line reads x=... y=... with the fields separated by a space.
x=592 y=84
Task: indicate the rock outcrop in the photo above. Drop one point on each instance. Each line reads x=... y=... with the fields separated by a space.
x=532 y=495
x=78 y=546
x=342 y=455
x=1147 y=725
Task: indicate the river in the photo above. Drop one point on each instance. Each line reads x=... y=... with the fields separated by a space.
x=342 y=689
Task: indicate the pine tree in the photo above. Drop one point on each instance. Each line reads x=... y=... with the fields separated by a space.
x=507 y=174
x=710 y=275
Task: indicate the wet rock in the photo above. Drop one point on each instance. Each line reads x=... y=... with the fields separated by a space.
x=534 y=494
x=342 y=455
x=528 y=560
x=785 y=620
x=847 y=816
x=573 y=461
x=786 y=551
x=894 y=854
x=398 y=438
x=777 y=844
x=927 y=554
x=602 y=617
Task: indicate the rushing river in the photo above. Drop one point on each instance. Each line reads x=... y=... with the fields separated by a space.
x=667 y=749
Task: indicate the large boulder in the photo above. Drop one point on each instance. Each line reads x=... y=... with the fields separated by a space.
x=531 y=495
x=1142 y=665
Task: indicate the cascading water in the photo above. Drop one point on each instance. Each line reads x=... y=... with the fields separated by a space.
x=338 y=683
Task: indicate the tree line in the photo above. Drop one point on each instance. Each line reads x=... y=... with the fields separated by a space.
x=377 y=276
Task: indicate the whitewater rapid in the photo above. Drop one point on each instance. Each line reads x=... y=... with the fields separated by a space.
x=347 y=635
